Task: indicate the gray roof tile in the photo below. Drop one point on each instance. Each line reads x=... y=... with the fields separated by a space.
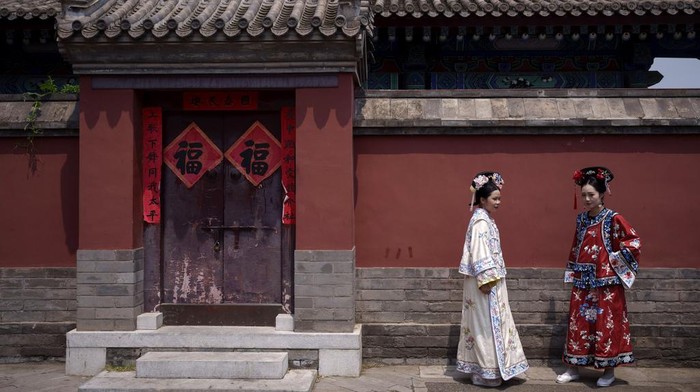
x=159 y=18
x=419 y=8
x=138 y=18
x=29 y=9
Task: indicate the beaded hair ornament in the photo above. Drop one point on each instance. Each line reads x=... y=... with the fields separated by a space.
x=599 y=172
x=482 y=179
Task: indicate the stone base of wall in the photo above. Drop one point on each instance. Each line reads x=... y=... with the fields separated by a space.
x=412 y=315
x=37 y=308
x=23 y=342
x=323 y=290
x=110 y=289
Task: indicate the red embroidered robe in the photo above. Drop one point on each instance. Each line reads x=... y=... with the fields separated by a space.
x=602 y=263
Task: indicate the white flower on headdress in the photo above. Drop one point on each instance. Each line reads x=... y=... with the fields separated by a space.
x=480 y=181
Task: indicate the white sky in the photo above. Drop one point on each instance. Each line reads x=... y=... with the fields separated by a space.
x=678 y=73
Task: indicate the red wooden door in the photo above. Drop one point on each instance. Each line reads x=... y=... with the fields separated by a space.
x=223 y=258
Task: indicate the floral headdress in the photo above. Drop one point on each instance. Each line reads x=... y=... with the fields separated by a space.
x=482 y=179
x=601 y=173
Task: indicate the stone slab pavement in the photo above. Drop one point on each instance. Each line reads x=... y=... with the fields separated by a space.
x=537 y=379
x=49 y=376
x=38 y=377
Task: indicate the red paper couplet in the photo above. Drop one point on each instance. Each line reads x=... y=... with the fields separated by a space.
x=152 y=121
x=288 y=122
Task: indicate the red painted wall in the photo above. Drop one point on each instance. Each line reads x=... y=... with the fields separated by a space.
x=110 y=180
x=324 y=162
x=39 y=205
x=412 y=195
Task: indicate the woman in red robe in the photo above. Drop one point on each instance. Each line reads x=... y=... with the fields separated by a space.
x=603 y=262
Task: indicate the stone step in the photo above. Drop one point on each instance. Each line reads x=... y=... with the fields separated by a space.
x=212 y=365
x=294 y=381
x=337 y=353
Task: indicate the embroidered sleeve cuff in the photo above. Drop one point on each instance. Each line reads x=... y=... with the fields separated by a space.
x=488 y=276
x=623 y=271
x=568 y=276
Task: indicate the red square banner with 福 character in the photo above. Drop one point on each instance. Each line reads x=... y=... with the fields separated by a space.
x=191 y=155
x=256 y=154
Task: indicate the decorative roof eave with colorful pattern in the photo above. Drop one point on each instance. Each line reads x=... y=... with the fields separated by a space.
x=29 y=9
x=449 y=8
x=138 y=18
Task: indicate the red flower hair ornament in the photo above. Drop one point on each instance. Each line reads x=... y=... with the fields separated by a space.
x=599 y=172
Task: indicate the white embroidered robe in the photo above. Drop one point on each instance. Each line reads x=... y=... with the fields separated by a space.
x=489 y=344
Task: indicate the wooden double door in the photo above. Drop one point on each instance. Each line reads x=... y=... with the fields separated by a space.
x=226 y=258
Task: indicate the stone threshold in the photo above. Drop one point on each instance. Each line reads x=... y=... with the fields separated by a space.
x=339 y=353
x=208 y=337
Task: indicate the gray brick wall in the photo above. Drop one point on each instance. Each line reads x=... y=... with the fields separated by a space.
x=109 y=289
x=412 y=315
x=37 y=308
x=324 y=287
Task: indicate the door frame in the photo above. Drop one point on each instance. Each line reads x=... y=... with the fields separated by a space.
x=153 y=242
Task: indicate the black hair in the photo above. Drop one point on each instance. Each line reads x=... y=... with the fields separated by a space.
x=596 y=183
x=485 y=191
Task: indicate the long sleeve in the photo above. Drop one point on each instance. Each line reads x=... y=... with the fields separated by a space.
x=483 y=261
x=569 y=272
x=626 y=245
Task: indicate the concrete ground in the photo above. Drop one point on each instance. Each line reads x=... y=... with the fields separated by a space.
x=49 y=376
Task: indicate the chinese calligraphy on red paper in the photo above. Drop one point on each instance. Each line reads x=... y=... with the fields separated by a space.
x=220 y=100
x=191 y=155
x=152 y=162
x=288 y=122
x=256 y=154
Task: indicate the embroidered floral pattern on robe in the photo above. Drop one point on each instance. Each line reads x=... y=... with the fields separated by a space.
x=603 y=262
x=489 y=345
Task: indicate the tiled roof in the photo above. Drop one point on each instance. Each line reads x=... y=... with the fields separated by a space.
x=159 y=18
x=419 y=8
x=139 y=18
x=29 y=9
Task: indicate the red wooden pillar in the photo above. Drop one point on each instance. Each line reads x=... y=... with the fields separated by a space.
x=110 y=254
x=325 y=232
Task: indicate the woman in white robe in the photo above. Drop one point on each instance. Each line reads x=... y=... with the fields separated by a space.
x=489 y=346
